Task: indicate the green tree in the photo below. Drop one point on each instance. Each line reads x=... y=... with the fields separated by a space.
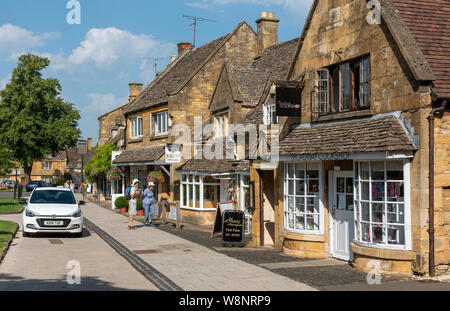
x=100 y=163
x=34 y=120
x=7 y=163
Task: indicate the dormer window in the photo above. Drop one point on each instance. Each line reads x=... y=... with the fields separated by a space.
x=221 y=121
x=343 y=87
x=269 y=115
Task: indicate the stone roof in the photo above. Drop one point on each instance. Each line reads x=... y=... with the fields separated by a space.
x=215 y=166
x=277 y=60
x=140 y=155
x=175 y=74
x=429 y=23
x=382 y=134
x=247 y=84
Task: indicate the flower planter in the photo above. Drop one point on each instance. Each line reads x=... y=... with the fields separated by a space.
x=140 y=212
x=123 y=210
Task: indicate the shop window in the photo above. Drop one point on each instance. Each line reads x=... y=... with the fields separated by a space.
x=380 y=203
x=195 y=190
x=302 y=210
x=341 y=88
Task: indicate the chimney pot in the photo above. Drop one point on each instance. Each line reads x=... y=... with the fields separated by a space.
x=268 y=29
x=135 y=90
x=182 y=46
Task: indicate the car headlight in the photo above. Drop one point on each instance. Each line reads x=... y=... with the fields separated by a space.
x=77 y=214
x=29 y=213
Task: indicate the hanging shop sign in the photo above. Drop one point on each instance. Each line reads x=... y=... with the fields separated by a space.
x=288 y=99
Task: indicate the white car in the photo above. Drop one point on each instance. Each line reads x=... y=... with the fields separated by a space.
x=52 y=210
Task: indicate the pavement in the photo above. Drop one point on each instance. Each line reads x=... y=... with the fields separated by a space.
x=189 y=265
x=40 y=264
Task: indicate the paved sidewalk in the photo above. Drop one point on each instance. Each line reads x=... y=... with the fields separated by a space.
x=191 y=266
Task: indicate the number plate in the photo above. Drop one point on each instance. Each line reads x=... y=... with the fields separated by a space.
x=53 y=223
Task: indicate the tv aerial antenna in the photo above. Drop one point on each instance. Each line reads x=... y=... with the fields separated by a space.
x=155 y=60
x=196 y=20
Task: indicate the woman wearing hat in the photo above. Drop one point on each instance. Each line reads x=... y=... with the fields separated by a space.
x=134 y=193
x=148 y=204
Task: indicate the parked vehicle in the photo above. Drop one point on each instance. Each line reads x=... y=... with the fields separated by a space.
x=9 y=183
x=52 y=209
x=31 y=186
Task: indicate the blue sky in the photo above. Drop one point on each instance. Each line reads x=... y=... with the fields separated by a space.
x=96 y=59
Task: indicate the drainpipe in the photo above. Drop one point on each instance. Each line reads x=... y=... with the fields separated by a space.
x=431 y=186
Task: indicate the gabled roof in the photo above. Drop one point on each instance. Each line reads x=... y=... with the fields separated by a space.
x=276 y=60
x=247 y=85
x=178 y=74
x=382 y=134
x=429 y=23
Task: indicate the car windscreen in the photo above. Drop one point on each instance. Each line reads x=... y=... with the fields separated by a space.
x=53 y=197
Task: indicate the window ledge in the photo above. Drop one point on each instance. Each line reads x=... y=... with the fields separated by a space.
x=385 y=253
x=158 y=137
x=311 y=237
x=135 y=140
x=345 y=115
x=198 y=209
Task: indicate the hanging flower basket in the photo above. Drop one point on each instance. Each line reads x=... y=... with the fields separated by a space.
x=155 y=177
x=114 y=174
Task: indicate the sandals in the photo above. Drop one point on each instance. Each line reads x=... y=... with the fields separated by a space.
x=131 y=227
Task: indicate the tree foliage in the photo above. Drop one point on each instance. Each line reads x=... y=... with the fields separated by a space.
x=100 y=163
x=34 y=120
x=7 y=163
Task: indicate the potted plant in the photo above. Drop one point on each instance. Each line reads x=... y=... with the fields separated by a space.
x=139 y=208
x=155 y=177
x=122 y=204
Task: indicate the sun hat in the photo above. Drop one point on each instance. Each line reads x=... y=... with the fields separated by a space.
x=151 y=184
x=135 y=181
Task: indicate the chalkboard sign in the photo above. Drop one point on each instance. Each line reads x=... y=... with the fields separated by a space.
x=233 y=227
x=221 y=207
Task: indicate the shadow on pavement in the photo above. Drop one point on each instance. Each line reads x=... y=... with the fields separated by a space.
x=14 y=283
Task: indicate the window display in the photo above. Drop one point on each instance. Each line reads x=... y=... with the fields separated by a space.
x=301 y=197
x=381 y=219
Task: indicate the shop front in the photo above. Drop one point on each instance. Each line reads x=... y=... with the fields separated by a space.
x=354 y=206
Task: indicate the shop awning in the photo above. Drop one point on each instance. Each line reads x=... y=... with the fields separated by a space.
x=342 y=139
x=214 y=166
x=140 y=156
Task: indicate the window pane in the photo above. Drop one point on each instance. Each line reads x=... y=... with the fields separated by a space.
x=365 y=170
x=365 y=191
x=346 y=87
x=365 y=229
x=377 y=170
x=290 y=204
x=312 y=170
x=300 y=187
x=365 y=209
x=312 y=222
x=396 y=235
x=300 y=222
x=349 y=185
x=395 y=191
x=291 y=168
x=340 y=185
x=299 y=205
x=378 y=234
x=396 y=213
x=209 y=193
x=378 y=191
x=290 y=221
x=394 y=170
x=290 y=187
x=312 y=205
x=300 y=170
x=313 y=186
x=377 y=212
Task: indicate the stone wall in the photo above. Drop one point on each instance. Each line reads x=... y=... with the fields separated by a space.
x=109 y=124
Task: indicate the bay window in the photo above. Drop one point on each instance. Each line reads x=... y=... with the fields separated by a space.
x=382 y=203
x=303 y=210
x=198 y=192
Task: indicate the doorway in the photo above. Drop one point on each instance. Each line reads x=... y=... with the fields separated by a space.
x=342 y=215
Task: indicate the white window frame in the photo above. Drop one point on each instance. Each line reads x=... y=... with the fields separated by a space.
x=406 y=209
x=47 y=166
x=221 y=121
x=136 y=128
x=188 y=180
x=155 y=123
x=286 y=195
x=269 y=114
x=242 y=207
x=321 y=91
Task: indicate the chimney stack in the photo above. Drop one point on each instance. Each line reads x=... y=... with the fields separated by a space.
x=268 y=29
x=89 y=144
x=135 y=90
x=182 y=46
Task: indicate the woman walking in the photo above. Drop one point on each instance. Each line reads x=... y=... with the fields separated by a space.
x=134 y=193
x=148 y=204
x=83 y=189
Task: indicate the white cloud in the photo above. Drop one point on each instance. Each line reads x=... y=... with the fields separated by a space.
x=297 y=7
x=18 y=40
x=102 y=103
x=106 y=47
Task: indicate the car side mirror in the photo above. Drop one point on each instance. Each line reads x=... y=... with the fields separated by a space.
x=81 y=203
